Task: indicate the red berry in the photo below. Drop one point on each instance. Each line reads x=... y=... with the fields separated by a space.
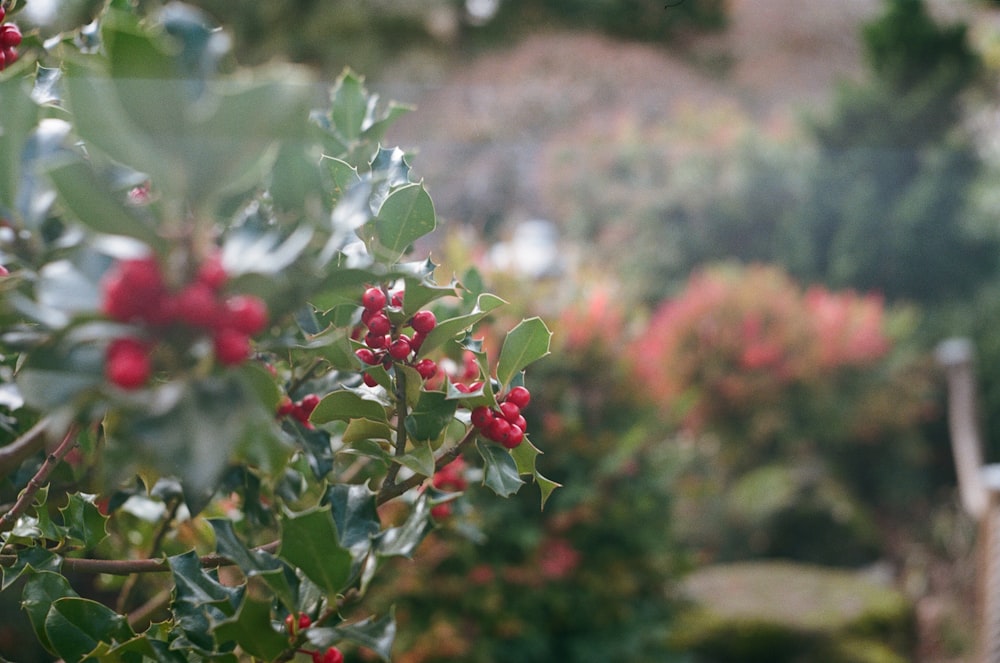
x=370 y=380
x=231 y=347
x=519 y=396
x=246 y=313
x=498 y=429
x=441 y=511
x=521 y=423
x=376 y=341
x=4 y=271
x=379 y=324
x=131 y=289
x=10 y=36
x=333 y=655
x=482 y=416
x=3 y=13
x=285 y=407
x=197 y=306
x=212 y=273
x=400 y=348
x=127 y=363
x=309 y=403
x=373 y=299
x=423 y=322
x=510 y=411
x=397 y=299
x=513 y=438
x=427 y=368
x=417 y=341
x=8 y=56
x=304 y=621
x=366 y=356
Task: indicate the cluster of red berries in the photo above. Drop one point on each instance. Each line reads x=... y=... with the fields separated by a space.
x=299 y=410
x=295 y=625
x=451 y=477
x=135 y=291
x=384 y=341
x=10 y=39
x=505 y=424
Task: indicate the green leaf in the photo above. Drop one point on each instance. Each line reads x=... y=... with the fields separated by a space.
x=345 y=405
x=547 y=486
x=524 y=344
x=342 y=176
x=56 y=376
x=402 y=541
x=349 y=106
x=309 y=541
x=19 y=116
x=524 y=456
x=40 y=592
x=406 y=215
x=200 y=599
x=359 y=430
x=278 y=576
x=449 y=329
x=90 y=202
x=374 y=634
x=83 y=522
x=419 y=460
x=420 y=292
x=354 y=512
x=251 y=628
x=430 y=416
x=75 y=626
x=30 y=560
x=501 y=474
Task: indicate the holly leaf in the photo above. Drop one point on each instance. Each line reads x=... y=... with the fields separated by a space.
x=406 y=215
x=83 y=522
x=309 y=541
x=345 y=405
x=403 y=540
x=40 y=592
x=75 y=626
x=354 y=512
x=34 y=559
x=430 y=416
x=92 y=204
x=449 y=329
x=524 y=344
x=251 y=628
x=374 y=634
x=501 y=474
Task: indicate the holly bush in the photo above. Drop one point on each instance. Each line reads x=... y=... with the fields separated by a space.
x=224 y=387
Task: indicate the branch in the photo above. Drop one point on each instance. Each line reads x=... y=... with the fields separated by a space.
x=396 y=489
x=37 y=481
x=15 y=453
x=122 y=567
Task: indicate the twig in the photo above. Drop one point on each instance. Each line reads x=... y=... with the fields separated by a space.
x=36 y=482
x=15 y=453
x=161 y=532
x=122 y=567
x=396 y=489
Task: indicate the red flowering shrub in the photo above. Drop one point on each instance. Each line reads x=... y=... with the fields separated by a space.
x=806 y=405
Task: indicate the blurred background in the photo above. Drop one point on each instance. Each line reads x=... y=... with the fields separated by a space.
x=748 y=223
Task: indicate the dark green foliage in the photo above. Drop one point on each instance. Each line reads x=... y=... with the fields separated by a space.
x=887 y=206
